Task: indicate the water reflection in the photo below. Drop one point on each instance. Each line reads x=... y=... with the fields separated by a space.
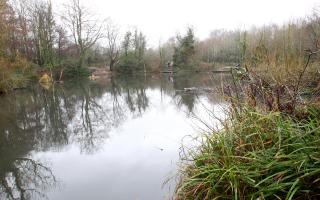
x=83 y=114
x=21 y=177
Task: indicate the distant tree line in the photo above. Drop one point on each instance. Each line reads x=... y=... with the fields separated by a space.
x=34 y=37
x=279 y=45
x=269 y=44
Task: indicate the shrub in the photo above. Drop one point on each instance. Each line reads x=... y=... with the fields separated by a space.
x=14 y=75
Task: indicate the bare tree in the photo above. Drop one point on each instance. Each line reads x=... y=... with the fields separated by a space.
x=113 y=49
x=4 y=33
x=314 y=28
x=62 y=43
x=21 y=9
x=86 y=30
x=43 y=31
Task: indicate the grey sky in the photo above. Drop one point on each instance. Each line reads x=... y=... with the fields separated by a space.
x=161 y=19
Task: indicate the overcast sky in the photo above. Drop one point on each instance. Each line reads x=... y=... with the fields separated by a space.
x=161 y=19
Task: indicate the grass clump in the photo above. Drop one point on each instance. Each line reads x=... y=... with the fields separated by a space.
x=14 y=74
x=256 y=156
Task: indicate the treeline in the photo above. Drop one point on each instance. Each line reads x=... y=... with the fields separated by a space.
x=30 y=30
x=32 y=40
x=269 y=45
x=36 y=38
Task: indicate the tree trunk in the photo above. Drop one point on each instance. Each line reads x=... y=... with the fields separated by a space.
x=111 y=64
x=81 y=59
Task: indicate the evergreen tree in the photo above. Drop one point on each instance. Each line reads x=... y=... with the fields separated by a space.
x=184 y=51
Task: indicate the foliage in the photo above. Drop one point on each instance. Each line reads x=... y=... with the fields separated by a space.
x=184 y=51
x=74 y=71
x=14 y=75
x=133 y=55
x=14 y=68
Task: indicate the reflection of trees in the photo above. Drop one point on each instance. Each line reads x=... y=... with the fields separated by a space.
x=92 y=127
x=25 y=179
x=54 y=117
x=198 y=82
x=99 y=108
x=84 y=112
x=81 y=112
x=187 y=99
x=137 y=100
x=183 y=98
x=21 y=178
x=134 y=91
x=117 y=109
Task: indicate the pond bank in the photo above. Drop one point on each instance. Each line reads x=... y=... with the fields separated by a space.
x=267 y=148
x=256 y=156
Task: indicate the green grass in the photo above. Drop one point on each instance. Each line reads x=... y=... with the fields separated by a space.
x=256 y=156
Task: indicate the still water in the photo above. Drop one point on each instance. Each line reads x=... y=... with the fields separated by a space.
x=115 y=139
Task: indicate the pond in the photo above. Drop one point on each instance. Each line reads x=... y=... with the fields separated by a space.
x=118 y=138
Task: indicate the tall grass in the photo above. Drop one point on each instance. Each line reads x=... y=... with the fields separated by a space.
x=268 y=148
x=256 y=156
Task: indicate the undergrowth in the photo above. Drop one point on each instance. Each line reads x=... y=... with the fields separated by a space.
x=268 y=148
x=256 y=156
x=14 y=75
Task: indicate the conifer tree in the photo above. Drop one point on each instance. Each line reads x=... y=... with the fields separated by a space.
x=184 y=51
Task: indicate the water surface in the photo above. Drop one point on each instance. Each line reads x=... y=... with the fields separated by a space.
x=116 y=139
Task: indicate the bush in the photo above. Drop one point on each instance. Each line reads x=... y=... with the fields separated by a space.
x=129 y=63
x=75 y=71
x=14 y=75
x=256 y=156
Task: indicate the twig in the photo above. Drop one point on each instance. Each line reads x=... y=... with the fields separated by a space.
x=235 y=86
x=296 y=90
